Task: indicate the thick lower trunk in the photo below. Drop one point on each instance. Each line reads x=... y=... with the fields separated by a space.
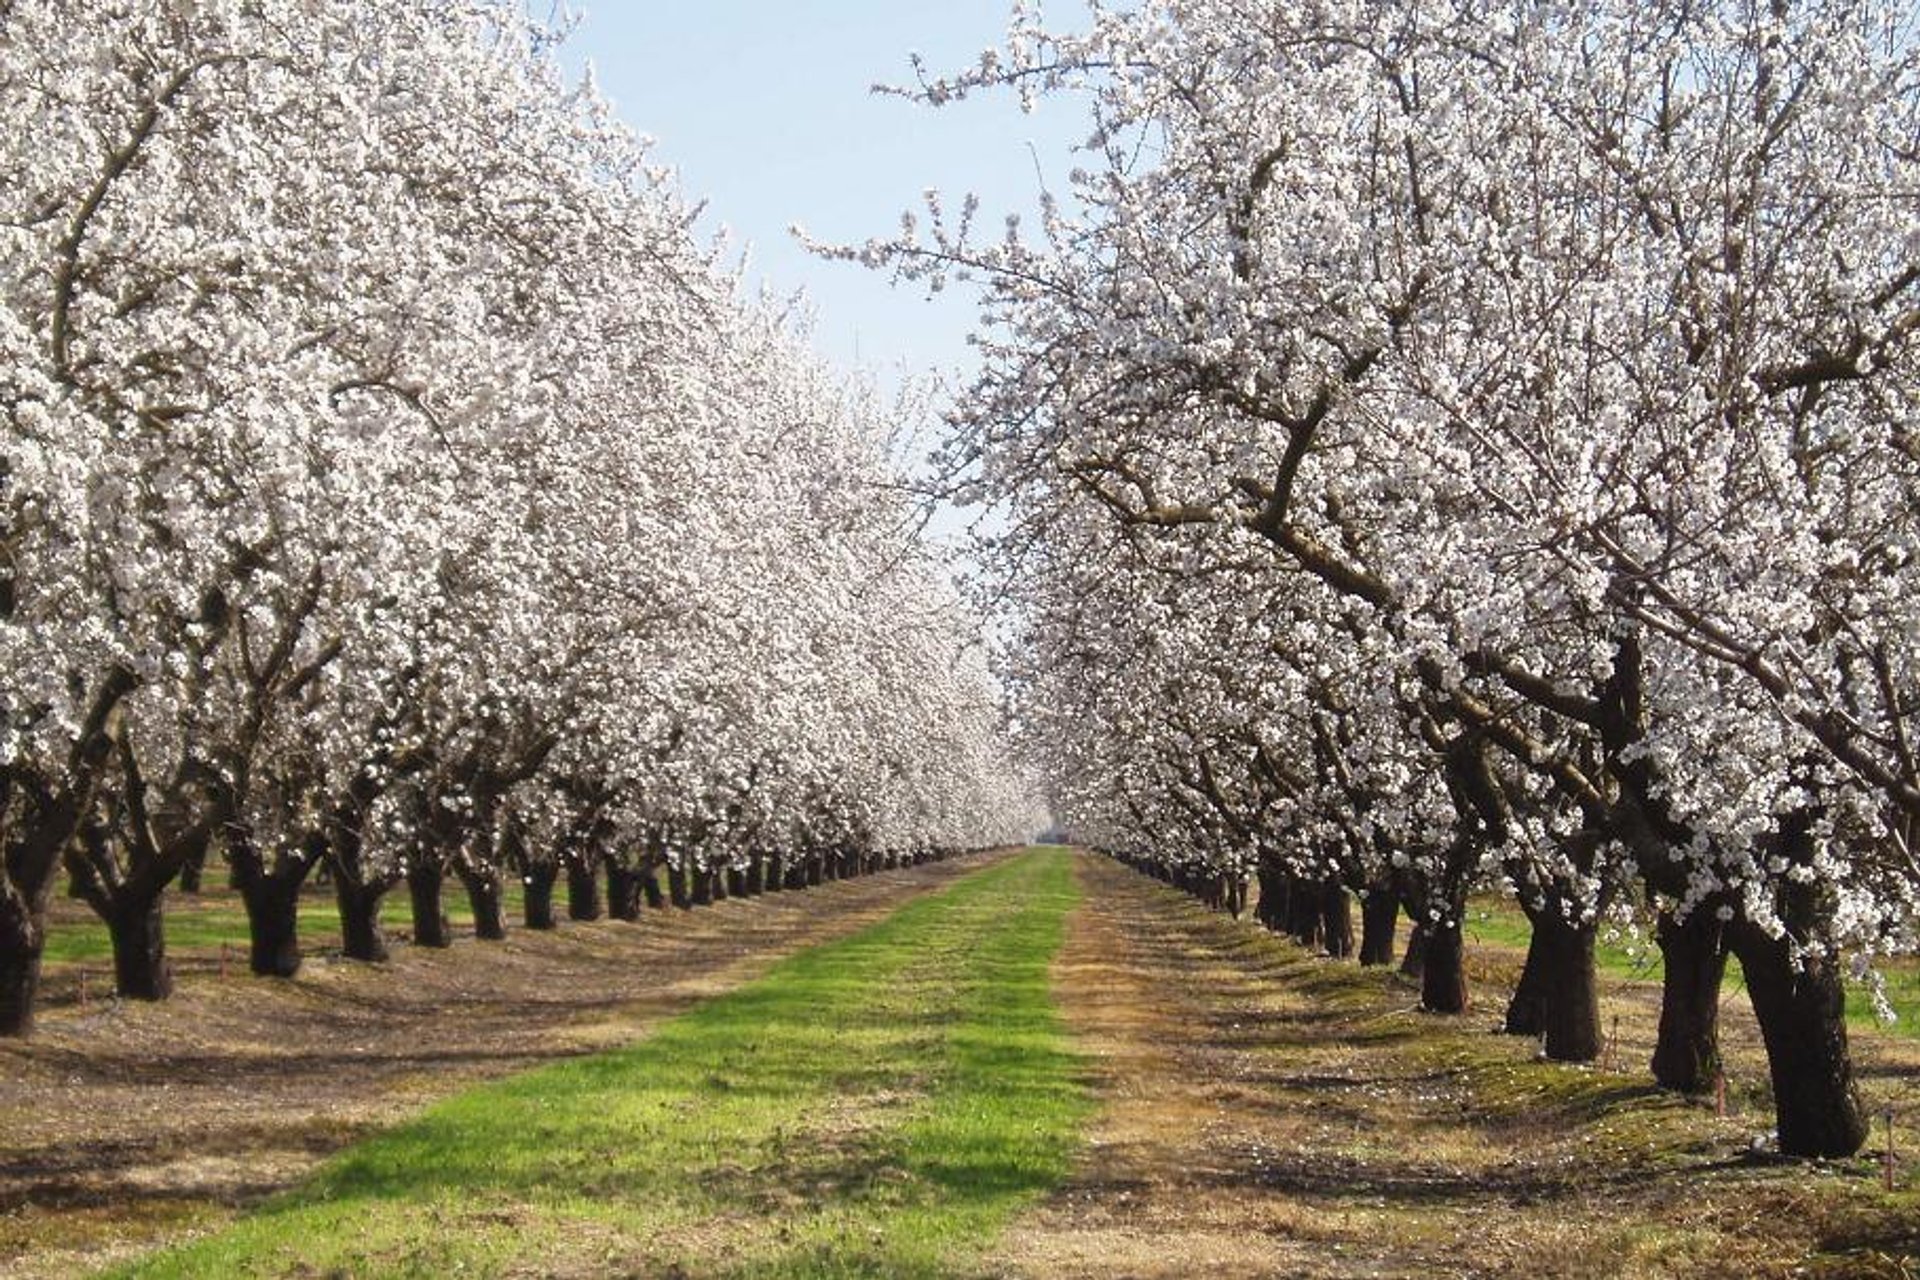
x=650 y=886
x=1271 y=910
x=1303 y=911
x=137 y=926
x=773 y=878
x=1443 y=977
x=703 y=887
x=486 y=897
x=1379 y=913
x=756 y=877
x=361 y=936
x=1572 y=1024
x=623 y=891
x=23 y=935
x=1527 y=1010
x=736 y=882
x=431 y=928
x=192 y=871
x=537 y=904
x=1801 y=1006
x=1686 y=1055
x=1336 y=919
x=1413 y=962
x=816 y=870
x=583 y=890
x=273 y=924
x=677 y=888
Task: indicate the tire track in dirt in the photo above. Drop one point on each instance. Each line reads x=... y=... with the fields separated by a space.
x=127 y=1125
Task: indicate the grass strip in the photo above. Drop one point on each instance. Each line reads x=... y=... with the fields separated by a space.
x=878 y=1106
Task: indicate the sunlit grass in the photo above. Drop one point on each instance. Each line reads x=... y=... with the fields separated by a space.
x=875 y=1107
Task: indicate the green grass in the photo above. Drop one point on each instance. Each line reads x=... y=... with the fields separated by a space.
x=1500 y=922
x=203 y=921
x=878 y=1106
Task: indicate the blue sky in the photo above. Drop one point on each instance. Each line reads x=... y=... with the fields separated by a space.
x=765 y=110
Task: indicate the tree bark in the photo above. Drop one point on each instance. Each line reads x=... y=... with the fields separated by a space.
x=1527 y=1010
x=537 y=904
x=1802 y=1011
x=1686 y=1055
x=272 y=901
x=650 y=886
x=1379 y=913
x=361 y=936
x=1572 y=1024
x=677 y=885
x=1303 y=911
x=583 y=890
x=23 y=937
x=1443 y=977
x=1336 y=919
x=623 y=890
x=486 y=897
x=1413 y=963
x=192 y=871
x=431 y=928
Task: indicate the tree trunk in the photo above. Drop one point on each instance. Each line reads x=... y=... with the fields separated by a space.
x=1413 y=963
x=736 y=882
x=1303 y=911
x=677 y=885
x=1443 y=976
x=815 y=870
x=1527 y=1010
x=1336 y=919
x=650 y=886
x=1802 y=1012
x=623 y=891
x=23 y=936
x=1572 y=1023
x=192 y=871
x=1686 y=1056
x=537 y=905
x=583 y=890
x=361 y=936
x=1379 y=913
x=272 y=900
x=431 y=928
x=486 y=897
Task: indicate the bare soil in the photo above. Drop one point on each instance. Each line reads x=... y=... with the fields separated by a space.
x=123 y=1125
x=1265 y=1112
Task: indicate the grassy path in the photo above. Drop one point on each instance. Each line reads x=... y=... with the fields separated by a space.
x=876 y=1106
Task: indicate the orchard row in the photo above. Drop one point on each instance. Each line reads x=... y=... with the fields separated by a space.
x=1451 y=445
x=392 y=482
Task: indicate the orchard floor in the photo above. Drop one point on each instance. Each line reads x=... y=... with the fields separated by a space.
x=125 y=1125
x=1269 y=1113
x=1259 y=1111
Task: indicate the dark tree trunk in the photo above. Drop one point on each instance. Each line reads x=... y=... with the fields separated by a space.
x=773 y=875
x=650 y=886
x=1443 y=976
x=677 y=885
x=816 y=870
x=1572 y=1021
x=1272 y=907
x=1802 y=1011
x=361 y=936
x=1379 y=913
x=192 y=872
x=623 y=891
x=537 y=904
x=486 y=897
x=137 y=926
x=703 y=887
x=23 y=936
x=1686 y=1056
x=1527 y=1010
x=1336 y=919
x=1303 y=911
x=431 y=928
x=273 y=923
x=1413 y=963
x=583 y=890
x=736 y=882
x=756 y=879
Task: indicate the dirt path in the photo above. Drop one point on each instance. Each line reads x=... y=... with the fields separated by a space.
x=124 y=1124
x=1267 y=1113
